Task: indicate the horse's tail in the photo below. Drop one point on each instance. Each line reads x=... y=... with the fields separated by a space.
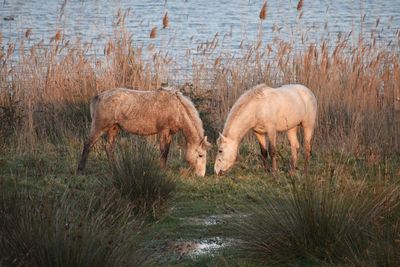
x=93 y=104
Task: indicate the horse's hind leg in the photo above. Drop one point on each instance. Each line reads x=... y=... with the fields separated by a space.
x=111 y=136
x=294 y=146
x=272 y=149
x=262 y=140
x=165 y=142
x=308 y=134
x=94 y=136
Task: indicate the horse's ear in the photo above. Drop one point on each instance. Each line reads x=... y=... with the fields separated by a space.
x=206 y=143
x=222 y=137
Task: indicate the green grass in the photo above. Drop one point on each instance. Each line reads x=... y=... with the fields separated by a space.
x=50 y=171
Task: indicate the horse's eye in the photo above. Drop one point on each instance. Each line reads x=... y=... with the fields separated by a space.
x=200 y=156
x=219 y=151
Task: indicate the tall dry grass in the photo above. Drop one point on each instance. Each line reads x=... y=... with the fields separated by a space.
x=356 y=84
x=46 y=86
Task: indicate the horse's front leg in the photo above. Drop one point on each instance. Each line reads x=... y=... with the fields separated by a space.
x=262 y=140
x=165 y=142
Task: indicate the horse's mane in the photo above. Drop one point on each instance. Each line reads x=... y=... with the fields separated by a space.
x=246 y=97
x=190 y=109
x=191 y=112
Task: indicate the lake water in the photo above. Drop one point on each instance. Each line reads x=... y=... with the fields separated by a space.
x=235 y=22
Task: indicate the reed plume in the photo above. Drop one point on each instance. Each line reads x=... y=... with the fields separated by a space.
x=153 y=33
x=300 y=5
x=28 y=32
x=57 y=37
x=263 y=12
x=165 y=20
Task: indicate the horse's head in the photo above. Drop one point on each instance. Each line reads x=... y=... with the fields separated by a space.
x=196 y=155
x=227 y=152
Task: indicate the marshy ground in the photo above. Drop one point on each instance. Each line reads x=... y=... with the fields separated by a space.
x=201 y=222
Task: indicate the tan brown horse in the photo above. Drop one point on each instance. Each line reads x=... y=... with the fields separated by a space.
x=163 y=112
x=267 y=111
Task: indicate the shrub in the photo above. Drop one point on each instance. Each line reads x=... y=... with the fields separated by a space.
x=326 y=222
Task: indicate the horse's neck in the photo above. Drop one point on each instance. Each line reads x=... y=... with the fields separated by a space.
x=189 y=130
x=238 y=124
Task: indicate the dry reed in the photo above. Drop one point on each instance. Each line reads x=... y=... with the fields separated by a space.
x=165 y=20
x=357 y=85
x=300 y=5
x=46 y=94
x=153 y=32
x=263 y=12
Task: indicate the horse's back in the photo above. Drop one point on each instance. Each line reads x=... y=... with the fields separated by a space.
x=287 y=106
x=309 y=100
x=138 y=112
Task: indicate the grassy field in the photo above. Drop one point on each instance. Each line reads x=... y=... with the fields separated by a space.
x=345 y=212
x=201 y=223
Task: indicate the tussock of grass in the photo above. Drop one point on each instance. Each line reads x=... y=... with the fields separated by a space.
x=138 y=176
x=67 y=230
x=326 y=221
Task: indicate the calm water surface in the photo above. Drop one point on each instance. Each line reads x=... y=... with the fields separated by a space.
x=195 y=22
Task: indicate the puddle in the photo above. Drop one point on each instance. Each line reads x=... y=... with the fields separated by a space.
x=200 y=247
x=192 y=248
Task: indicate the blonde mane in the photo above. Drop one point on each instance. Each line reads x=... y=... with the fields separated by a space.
x=189 y=107
x=191 y=111
x=255 y=92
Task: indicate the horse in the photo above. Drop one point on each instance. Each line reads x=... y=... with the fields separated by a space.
x=164 y=111
x=267 y=111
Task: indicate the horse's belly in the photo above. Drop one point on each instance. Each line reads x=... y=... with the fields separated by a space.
x=280 y=126
x=281 y=122
x=139 y=127
x=148 y=126
x=284 y=125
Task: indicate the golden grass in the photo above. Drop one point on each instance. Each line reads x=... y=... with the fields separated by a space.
x=357 y=85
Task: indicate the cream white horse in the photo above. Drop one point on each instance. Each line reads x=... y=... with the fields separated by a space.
x=267 y=111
